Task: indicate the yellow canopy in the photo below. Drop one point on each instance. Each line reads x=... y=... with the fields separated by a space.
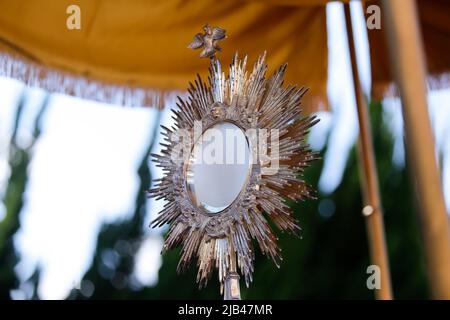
x=134 y=52
x=435 y=26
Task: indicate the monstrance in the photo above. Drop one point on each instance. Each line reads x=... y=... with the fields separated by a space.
x=234 y=155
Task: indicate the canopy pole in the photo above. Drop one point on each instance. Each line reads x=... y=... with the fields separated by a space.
x=372 y=210
x=407 y=58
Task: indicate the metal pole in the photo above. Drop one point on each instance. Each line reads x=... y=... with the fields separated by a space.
x=407 y=58
x=231 y=290
x=372 y=210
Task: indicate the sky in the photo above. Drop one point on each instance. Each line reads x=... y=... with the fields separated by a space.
x=84 y=167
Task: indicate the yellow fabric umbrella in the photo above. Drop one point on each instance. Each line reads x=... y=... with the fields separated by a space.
x=435 y=27
x=134 y=52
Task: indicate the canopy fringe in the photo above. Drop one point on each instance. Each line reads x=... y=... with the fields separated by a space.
x=58 y=81
x=34 y=74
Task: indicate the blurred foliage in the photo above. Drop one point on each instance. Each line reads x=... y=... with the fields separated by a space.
x=111 y=273
x=19 y=159
x=330 y=260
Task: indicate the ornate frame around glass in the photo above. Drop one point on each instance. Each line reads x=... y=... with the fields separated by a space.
x=251 y=101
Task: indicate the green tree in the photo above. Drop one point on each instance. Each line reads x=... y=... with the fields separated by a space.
x=19 y=160
x=330 y=260
x=111 y=273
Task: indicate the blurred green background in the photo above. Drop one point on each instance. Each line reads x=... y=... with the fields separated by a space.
x=330 y=260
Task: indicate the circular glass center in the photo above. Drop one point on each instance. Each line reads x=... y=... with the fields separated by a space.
x=218 y=167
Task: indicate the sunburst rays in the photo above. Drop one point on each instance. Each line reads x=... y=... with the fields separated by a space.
x=226 y=241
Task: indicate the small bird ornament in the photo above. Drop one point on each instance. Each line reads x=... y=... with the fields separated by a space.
x=208 y=41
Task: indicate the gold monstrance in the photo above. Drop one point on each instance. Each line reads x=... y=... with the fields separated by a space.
x=210 y=218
